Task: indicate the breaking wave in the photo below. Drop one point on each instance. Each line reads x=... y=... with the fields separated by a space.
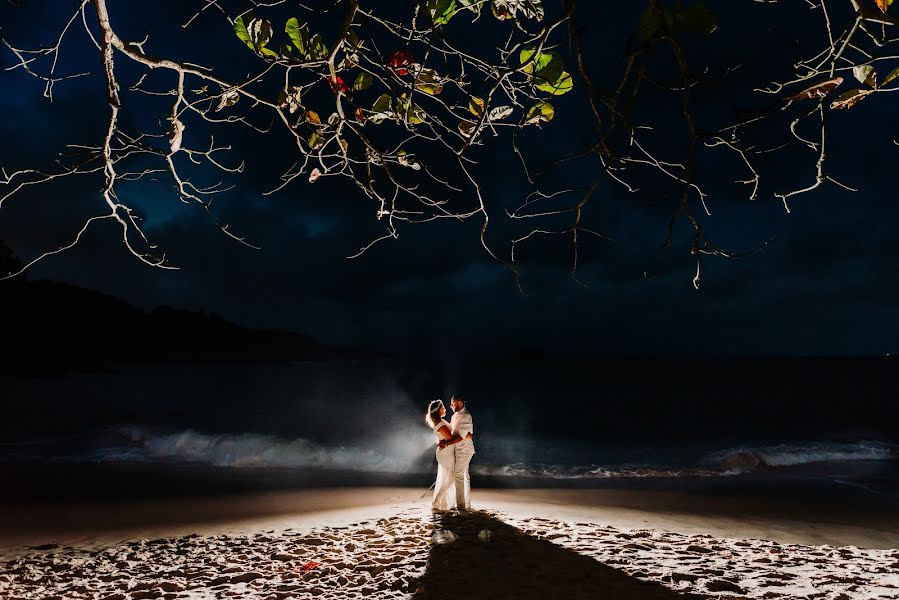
x=413 y=452
x=734 y=461
x=785 y=455
x=249 y=450
x=540 y=470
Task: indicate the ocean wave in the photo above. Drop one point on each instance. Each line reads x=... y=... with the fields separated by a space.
x=412 y=452
x=250 y=450
x=733 y=461
x=785 y=455
x=546 y=471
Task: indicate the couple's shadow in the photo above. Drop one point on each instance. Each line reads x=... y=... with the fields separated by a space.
x=513 y=564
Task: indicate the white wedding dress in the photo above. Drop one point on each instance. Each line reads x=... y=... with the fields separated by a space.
x=445 y=486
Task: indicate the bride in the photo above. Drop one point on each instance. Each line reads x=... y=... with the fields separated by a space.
x=444 y=487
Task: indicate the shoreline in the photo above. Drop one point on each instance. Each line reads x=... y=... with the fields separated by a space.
x=734 y=515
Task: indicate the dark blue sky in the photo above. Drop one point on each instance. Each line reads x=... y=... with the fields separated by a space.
x=825 y=284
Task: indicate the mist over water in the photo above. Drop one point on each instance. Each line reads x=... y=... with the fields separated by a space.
x=529 y=422
x=412 y=452
x=396 y=452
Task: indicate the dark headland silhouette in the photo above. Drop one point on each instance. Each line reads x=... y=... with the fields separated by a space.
x=49 y=327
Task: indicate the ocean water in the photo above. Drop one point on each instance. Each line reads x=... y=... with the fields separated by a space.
x=545 y=426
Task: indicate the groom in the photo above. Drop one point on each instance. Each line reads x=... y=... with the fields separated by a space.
x=463 y=449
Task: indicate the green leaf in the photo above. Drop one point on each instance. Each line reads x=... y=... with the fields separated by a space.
x=383 y=103
x=298 y=34
x=891 y=76
x=548 y=71
x=415 y=115
x=363 y=81
x=865 y=74
x=316 y=140
x=317 y=48
x=849 y=99
x=411 y=112
x=428 y=81
x=382 y=109
x=562 y=85
x=542 y=111
x=552 y=71
x=255 y=33
x=288 y=53
x=240 y=29
x=476 y=106
x=441 y=11
x=539 y=62
x=353 y=39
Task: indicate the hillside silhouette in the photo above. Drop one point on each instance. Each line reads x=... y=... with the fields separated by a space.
x=48 y=327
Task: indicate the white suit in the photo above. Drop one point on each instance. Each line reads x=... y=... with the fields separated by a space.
x=461 y=425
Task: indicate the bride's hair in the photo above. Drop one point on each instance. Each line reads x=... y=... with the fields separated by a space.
x=432 y=417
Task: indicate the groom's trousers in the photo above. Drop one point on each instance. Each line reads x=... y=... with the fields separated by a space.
x=462 y=480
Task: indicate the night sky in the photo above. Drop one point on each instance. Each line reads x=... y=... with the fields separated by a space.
x=825 y=283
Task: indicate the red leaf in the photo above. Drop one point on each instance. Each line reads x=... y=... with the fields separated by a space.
x=338 y=85
x=309 y=566
x=399 y=60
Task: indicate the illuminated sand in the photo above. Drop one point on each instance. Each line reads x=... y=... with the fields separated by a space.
x=382 y=543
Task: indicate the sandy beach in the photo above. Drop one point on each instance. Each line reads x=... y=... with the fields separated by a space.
x=385 y=543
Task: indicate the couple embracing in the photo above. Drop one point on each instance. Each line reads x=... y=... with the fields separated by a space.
x=455 y=447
